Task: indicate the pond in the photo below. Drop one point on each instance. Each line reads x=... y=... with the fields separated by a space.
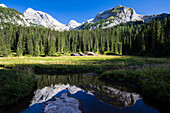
x=82 y=93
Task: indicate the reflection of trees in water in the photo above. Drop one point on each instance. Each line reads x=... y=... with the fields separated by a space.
x=91 y=84
x=76 y=79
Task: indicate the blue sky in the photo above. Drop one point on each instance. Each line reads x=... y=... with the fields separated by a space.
x=81 y=10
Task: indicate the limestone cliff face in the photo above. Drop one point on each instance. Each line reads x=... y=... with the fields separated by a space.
x=112 y=17
x=121 y=13
x=44 y=19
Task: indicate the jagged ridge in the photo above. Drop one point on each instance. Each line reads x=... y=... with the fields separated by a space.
x=44 y=19
x=115 y=16
x=109 y=18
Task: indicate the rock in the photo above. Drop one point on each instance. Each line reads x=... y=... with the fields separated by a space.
x=63 y=104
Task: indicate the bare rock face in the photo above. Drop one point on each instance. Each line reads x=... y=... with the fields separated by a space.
x=73 y=24
x=3 y=5
x=44 y=19
x=124 y=14
x=63 y=104
x=115 y=16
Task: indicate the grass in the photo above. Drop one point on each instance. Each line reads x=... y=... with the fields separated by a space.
x=64 y=65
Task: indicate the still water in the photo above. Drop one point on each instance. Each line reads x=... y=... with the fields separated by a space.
x=83 y=93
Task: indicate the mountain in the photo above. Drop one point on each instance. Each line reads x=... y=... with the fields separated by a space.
x=33 y=18
x=9 y=15
x=109 y=18
x=73 y=24
x=44 y=19
x=2 y=5
x=90 y=20
x=121 y=13
x=115 y=16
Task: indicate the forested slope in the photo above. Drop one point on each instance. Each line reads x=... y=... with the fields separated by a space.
x=138 y=38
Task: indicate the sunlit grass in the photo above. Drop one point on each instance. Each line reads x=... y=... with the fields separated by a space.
x=81 y=60
x=78 y=64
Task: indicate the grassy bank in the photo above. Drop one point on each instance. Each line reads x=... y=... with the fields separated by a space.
x=151 y=82
x=14 y=85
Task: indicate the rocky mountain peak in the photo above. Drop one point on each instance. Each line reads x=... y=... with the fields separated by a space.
x=118 y=12
x=73 y=24
x=29 y=10
x=3 y=5
x=114 y=16
x=44 y=19
x=72 y=21
x=119 y=6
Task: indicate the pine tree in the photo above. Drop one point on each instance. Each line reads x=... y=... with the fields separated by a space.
x=19 y=46
x=30 y=45
x=3 y=49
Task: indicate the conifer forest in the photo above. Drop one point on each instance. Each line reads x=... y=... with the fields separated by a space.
x=133 y=38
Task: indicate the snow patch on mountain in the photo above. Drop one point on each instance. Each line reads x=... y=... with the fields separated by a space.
x=44 y=19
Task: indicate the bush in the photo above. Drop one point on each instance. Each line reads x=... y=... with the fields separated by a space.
x=14 y=86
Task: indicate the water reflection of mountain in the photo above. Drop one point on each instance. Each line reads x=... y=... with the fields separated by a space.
x=42 y=95
x=118 y=98
x=84 y=82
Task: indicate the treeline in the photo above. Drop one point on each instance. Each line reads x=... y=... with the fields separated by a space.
x=132 y=38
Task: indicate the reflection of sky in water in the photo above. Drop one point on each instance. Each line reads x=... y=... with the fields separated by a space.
x=91 y=104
